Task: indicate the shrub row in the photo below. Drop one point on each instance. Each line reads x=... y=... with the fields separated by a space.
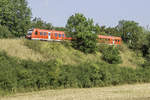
x=18 y=74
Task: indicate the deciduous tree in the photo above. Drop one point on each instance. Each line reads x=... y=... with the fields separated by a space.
x=132 y=33
x=16 y=15
x=39 y=23
x=82 y=31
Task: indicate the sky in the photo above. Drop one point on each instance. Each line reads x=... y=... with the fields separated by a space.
x=103 y=12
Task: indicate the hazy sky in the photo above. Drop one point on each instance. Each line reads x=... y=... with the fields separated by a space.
x=104 y=12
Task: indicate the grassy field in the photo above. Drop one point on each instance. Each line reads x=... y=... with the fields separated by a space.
x=124 y=92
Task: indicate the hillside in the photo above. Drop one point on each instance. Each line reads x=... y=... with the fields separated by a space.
x=27 y=65
x=63 y=52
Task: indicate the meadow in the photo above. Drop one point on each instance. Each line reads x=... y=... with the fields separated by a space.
x=123 y=92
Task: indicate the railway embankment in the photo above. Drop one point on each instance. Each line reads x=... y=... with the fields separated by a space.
x=27 y=65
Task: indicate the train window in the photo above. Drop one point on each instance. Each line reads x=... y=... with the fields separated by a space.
x=30 y=32
x=36 y=32
x=63 y=35
x=55 y=34
x=41 y=33
x=60 y=35
x=45 y=33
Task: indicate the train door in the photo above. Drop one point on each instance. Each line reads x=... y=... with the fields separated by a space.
x=113 y=41
x=35 y=35
x=49 y=35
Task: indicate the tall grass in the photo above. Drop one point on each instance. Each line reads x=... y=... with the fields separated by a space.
x=16 y=48
x=130 y=58
x=61 y=51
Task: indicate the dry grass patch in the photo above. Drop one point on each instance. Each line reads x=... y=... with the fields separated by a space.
x=125 y=92
x=15 y=47
x=48 y=51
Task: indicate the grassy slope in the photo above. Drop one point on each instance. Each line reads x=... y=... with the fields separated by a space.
x=130 y=58
x=43 y=50
x=15 y=47
x=124 y=92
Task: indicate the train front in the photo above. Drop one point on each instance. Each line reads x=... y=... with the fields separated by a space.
x=29 y=34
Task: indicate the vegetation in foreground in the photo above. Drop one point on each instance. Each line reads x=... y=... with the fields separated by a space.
x=25 y=75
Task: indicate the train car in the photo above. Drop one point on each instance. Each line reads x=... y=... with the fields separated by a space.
x=49 y=35
x=52 y=35
x=111 y=40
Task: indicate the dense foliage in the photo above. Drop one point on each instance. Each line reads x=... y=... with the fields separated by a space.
x=132 y=33
x=110 y=54
x=4 y=32
x=19 y=75
x=39 y=23
x=15 y=15
x=81 y=30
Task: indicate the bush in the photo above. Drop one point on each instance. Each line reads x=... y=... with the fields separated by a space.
x=4 y=32
x=85 y=42
x=110 y=54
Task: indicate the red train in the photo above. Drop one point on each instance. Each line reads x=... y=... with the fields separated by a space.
x=112 y=40
x=49 y=35
x=52 y=35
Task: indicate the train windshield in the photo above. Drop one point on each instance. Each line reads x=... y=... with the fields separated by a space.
x=30 y=32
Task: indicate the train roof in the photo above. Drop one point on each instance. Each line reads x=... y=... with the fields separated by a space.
x=109 y=37
x=49 y=30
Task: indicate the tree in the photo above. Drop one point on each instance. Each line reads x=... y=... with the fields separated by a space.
x=132 y=33
x=81 y=30
x=60 y=28
x=15 y=15
x=103 y=30
x=39 y=23
x=113 y=31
